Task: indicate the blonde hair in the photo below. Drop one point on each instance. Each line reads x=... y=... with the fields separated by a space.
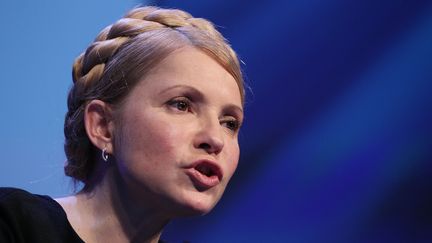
x=120 y=56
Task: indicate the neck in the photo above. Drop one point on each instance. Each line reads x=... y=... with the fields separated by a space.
x=111 y=212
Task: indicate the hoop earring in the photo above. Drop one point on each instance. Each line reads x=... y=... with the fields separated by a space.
x=105 y=155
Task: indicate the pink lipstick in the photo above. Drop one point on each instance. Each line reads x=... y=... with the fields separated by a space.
x=205 y=174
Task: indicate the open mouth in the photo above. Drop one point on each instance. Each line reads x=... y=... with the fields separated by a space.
x=205 y=174
x=208 y=169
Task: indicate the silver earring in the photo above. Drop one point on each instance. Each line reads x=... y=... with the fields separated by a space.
x=105 y=155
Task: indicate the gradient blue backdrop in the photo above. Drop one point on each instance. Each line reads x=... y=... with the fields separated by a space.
x=337 y=144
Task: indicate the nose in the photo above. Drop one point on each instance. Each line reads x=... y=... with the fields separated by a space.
x=210 y=137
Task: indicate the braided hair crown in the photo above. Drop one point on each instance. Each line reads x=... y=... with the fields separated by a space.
x=120 y=56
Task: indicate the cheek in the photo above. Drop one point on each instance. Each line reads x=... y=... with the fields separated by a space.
x=233 y=154
x=148 y=151
x=149 y=138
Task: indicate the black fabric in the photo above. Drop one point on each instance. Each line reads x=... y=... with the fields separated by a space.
x=26 y=217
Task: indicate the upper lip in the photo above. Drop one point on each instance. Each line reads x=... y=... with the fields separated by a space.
x=213 y=166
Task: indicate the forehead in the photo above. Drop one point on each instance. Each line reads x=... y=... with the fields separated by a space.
x=192 y=67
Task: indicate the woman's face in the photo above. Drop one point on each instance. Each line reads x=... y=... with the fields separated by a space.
x=176 y=141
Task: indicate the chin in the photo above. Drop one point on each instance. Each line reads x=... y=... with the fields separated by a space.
x=202 y=209
x=198 y=205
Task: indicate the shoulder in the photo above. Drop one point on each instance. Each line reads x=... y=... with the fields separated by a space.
x=9 y=192
x=19 y=203
x=28 y=217
x=10 y=195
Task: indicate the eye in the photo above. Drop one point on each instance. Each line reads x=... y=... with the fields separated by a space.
x=231 y=123
x=180 y=104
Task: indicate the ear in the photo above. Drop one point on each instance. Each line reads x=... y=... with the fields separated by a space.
x=99 y=124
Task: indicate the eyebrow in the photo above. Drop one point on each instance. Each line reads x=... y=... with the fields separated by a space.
x=235 y=109
x=181 y=86
x=200 y=96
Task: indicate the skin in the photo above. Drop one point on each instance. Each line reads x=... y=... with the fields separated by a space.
x=188 y=108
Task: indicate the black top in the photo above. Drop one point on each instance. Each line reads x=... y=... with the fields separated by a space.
x=26 y=217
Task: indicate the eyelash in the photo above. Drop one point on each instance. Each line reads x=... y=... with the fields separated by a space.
x=232 y=124
x=183 y=104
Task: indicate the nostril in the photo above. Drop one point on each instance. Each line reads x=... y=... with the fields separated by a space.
x=211 y=145
x=205 y=146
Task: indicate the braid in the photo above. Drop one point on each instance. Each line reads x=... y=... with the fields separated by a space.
x=90 y=65
x=111 y=63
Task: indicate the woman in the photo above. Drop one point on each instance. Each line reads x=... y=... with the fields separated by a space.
x=151 y=132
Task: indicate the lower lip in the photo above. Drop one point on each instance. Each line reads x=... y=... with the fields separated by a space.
x=202 y=181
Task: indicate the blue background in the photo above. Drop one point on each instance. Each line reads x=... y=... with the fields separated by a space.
x=337 y=142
